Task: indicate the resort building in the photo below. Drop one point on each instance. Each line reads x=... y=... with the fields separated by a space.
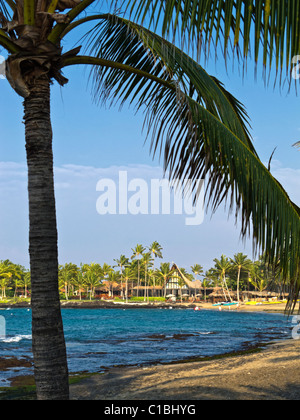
x=176 y=287
x=180 y=286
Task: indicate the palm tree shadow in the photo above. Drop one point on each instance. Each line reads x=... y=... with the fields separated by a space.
x=125 y=386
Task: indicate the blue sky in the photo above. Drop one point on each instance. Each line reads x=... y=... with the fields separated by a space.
x=91 y=142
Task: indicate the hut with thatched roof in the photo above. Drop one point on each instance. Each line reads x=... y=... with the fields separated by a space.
x=108 y=289
x=220 y=295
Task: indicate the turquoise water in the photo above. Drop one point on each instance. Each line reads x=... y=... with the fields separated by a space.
x=98 y=339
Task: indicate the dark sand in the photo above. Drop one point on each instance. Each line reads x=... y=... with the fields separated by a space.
x=272 y=374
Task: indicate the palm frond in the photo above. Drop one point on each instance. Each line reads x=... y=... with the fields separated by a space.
x=7 y=43
x=202 y=131
x=266 y=29
x=59 y=28
x=120 y=40
x=29 y=7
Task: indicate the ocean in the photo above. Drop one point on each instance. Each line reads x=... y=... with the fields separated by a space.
x=101 y=338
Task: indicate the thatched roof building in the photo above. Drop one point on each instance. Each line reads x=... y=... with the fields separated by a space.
x=196 y=284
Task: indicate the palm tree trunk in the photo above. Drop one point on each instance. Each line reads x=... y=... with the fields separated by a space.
x=225 y=282
x=48 y=343
x=138 y=285
x=238 y=286
x=221 y=278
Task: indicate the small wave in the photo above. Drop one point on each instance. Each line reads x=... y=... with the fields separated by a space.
x=15 y=339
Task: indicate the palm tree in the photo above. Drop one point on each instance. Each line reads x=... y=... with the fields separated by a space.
x=222 y=266
x=197 y=269
x=155 y=249
x=259 y=282
x=240 y=262
x=92 y=278
x=181 y=284
x=112 y=277
x=67 y=274
x=5 y=276
x=79 y=283
x=26 y=283
x=146 y=262
x=164 y=273
x=17 y=275
x=122 y=262
x=137 y=254
x=106 y=270
x=203 y=127
x=156 y=252
x=205 y=285
x=128 y=275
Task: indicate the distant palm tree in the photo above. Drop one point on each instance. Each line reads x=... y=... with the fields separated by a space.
x=164 y=272
x=113 y=277
x=67 y=273
x=122 y=262
x=240 y=262
x=146 y=262
x=137 y=254
x=181 y=284
x=92 y=277
x=205 y=285
x=79 y=283
x=260 y=283
x=26 y=283
x=197 y=269
x=5 y=276
x=17 y=276
x=128 y=275
x=156 y=252
x=222 y=266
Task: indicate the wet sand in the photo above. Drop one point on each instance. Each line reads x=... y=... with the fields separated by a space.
x=272 y=374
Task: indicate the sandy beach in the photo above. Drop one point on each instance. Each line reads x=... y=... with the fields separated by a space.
x=272 y=374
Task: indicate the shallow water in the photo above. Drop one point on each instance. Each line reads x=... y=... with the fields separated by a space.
x=101 y=338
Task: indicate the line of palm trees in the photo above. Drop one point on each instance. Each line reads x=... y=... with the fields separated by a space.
x=237 y=273
x=13 y=277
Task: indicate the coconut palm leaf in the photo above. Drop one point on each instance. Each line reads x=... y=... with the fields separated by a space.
x=118 y=40
x=201 y=130
x=263 y=28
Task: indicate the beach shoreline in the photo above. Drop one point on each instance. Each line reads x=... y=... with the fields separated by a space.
x=270 y=374
x=101 y=304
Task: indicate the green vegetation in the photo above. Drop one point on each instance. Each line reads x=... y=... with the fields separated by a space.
x=14 y=281
x=88 y=282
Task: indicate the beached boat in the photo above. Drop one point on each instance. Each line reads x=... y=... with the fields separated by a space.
x=226 y=304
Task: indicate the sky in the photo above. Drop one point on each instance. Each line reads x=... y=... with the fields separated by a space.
x=92 y=143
